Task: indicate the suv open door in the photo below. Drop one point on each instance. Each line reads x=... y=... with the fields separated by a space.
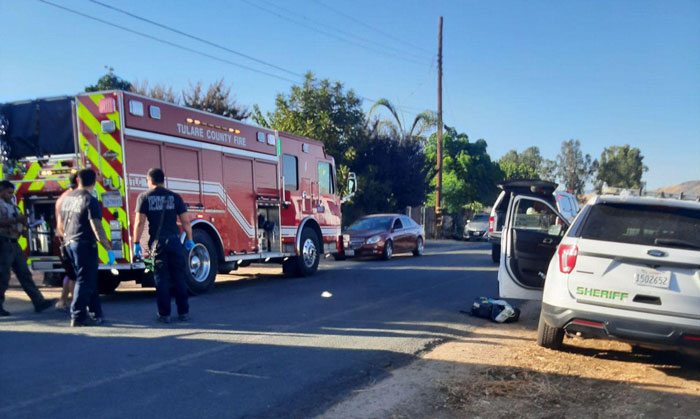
x=531 y=233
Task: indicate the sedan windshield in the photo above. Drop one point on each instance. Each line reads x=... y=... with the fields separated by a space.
x=373 y=223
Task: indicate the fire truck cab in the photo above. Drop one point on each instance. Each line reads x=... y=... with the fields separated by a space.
x=253 y=194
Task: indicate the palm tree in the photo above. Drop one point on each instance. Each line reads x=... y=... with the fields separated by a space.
x=422 y=123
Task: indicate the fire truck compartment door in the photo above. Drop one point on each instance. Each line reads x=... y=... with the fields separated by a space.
x=183 y=174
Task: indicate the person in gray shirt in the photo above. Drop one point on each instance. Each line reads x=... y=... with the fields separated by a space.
x=12 y=223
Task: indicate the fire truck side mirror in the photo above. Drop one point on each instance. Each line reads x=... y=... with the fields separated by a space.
x=352 y=186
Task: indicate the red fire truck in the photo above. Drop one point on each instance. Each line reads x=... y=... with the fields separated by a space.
x=254 y=194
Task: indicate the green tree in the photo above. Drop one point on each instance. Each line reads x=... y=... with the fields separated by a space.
x=391 y=176
x=109 y=81
x=217 y=100
x=620 y=167
x=573 y=168
x=526 y=165
x=468 y=175
x=423 y=122
x=322 y=110
x=511 y=170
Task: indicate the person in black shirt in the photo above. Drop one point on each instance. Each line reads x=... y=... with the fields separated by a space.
x=162 y=208
x=82 y=228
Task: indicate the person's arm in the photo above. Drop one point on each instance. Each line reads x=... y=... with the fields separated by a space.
x=59 y=218
x=185 y=221
x=59 y=224
x=95 y=214
x=99 y=231
x=138 y=227
x=6 y=220
x=181 y=210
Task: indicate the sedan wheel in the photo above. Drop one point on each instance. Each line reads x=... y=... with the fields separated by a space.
x=388 y=250
x=418 y=251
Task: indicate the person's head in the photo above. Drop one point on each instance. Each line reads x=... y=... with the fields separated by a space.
x=73 y=180
x=86 y=179
x=7 y=189
x=155 y=177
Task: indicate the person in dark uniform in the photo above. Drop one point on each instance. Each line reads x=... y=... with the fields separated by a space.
x=12 y=223
x=82 y=228
x=162 y=208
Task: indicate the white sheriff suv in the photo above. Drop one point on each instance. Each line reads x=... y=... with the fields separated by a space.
x=628 y=268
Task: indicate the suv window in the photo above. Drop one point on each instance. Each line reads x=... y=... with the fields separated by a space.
x=643 y=224
x=536 y=216
x=565 y=205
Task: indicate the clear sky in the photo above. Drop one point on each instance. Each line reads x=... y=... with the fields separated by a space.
x=516 y=73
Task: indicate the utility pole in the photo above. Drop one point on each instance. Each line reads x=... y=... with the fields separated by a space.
x=438 y=184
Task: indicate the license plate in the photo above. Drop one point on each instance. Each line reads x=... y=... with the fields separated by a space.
x=652 y=278
x=111 y=199
x=349 y=252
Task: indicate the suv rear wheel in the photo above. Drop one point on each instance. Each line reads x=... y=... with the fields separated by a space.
x=548 y=336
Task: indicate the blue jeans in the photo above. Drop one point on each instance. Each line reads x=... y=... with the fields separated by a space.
x=83 y=256
x=169 y=273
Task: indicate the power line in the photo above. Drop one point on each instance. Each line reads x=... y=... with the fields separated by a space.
x=332 y=35
x=172 y=44
x=347 y=34
x=354 y=19
x=171 y=29
x=178 y=46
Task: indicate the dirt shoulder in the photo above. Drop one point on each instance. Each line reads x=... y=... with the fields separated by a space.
x=500 y=372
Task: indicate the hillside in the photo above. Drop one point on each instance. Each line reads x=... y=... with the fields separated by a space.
x=691 y=187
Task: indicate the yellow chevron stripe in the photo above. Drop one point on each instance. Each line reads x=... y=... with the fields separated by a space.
x=94 y=125
x=36 y=186
x=105 y=167
x=22 y=240
x=121 y=214
x=32 y=174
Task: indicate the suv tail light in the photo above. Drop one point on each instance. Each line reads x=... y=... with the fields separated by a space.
x=567 y=257
x=491 y=224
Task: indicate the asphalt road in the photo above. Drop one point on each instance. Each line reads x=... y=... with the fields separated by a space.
x=258 y=345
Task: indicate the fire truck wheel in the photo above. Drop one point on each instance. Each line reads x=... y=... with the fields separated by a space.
x=310 y=256
x=106 y=282
x=339 y=256
x=202 y=263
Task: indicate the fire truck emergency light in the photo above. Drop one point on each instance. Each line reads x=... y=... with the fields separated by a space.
x=58 y=171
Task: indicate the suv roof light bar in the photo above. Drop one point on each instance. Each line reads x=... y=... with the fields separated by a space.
x=609 y=190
